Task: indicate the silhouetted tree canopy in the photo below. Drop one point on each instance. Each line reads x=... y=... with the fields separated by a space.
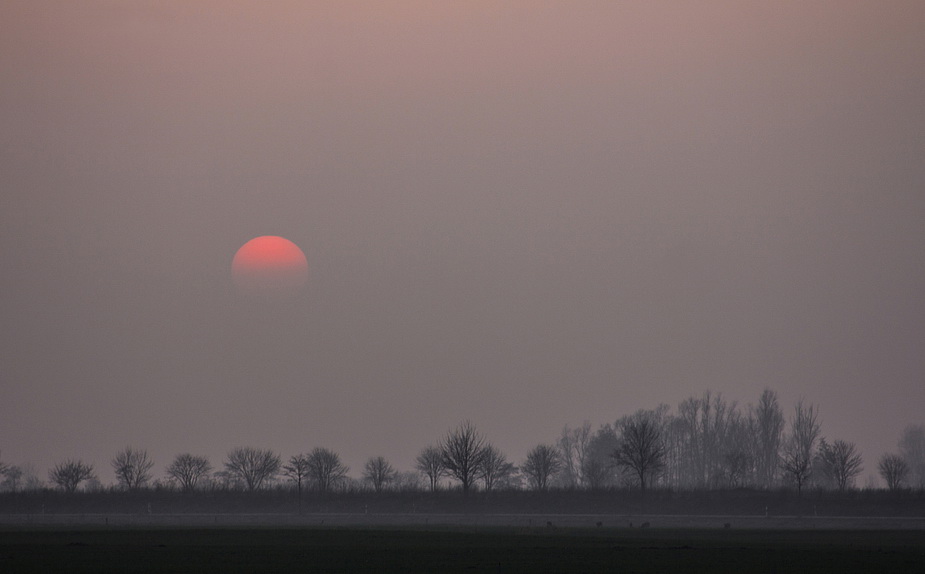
x=252 y=466
x=378 y=472
x=768 y=432
x=574 y=445
x=894 y=470
x=543 y=461
x=69 y=474
x=641 y=450
x=493 y=467
x=912 y=449
x=325 y=469
x=297 y=470
x=797 y=458
x=12 y=478
x=430 y=463
x=707 y=442
x=187 y=470
x=463 y=451
x=840 y=462
x=132 y=468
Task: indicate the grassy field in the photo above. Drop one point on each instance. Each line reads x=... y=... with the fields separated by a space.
x=280 y=500
x=457 y=549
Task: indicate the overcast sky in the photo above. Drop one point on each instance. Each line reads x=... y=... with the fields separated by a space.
x=527 y=214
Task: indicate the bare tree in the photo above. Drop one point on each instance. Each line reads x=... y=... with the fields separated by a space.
x=12 y=478
x=226 y=480
x=768 y=421
x=407 y=481
x=573 y=451
x=188 y=470
x=738 y=461
x=430 y=463
x=325 y=469
x=841 y=462
x=463 y=450
x=252 y=466
x=296 y=470
x=379 y=472
x=894 y=470
x=912 y=449
x=32 y=482
x=132 y=468
x=704 y=426
x=597 y=472
x=599 y=469
x=28 y=480
x=12 y=475
x=69 y=474
x=736 y=464
x=797 y=457
x=543 y=461
x=641 y=451
x=494 y=467
x=690 y=473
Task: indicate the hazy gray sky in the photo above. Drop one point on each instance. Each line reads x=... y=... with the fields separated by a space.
x=526 y=214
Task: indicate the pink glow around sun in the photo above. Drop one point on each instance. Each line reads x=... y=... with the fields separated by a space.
x=269 y=266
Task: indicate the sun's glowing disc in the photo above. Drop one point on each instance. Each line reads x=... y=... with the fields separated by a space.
x=269 y=266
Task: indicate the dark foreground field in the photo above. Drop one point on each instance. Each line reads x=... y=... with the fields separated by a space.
x=455 y=549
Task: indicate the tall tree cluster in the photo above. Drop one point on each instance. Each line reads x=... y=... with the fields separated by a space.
x=766 y=425
x=912 y=449
x=573 y=448
x=709 y=442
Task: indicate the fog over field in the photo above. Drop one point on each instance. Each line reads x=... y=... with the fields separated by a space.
x=523 y=214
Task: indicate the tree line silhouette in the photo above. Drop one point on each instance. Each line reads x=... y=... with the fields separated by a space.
x=708 y=443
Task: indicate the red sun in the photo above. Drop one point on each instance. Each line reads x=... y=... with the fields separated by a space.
x=269 y=266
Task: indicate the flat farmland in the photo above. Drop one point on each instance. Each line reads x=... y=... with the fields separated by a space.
x=455 y=548
x=469 y=519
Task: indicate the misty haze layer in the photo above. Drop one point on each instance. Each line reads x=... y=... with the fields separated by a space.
x=524 y=214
